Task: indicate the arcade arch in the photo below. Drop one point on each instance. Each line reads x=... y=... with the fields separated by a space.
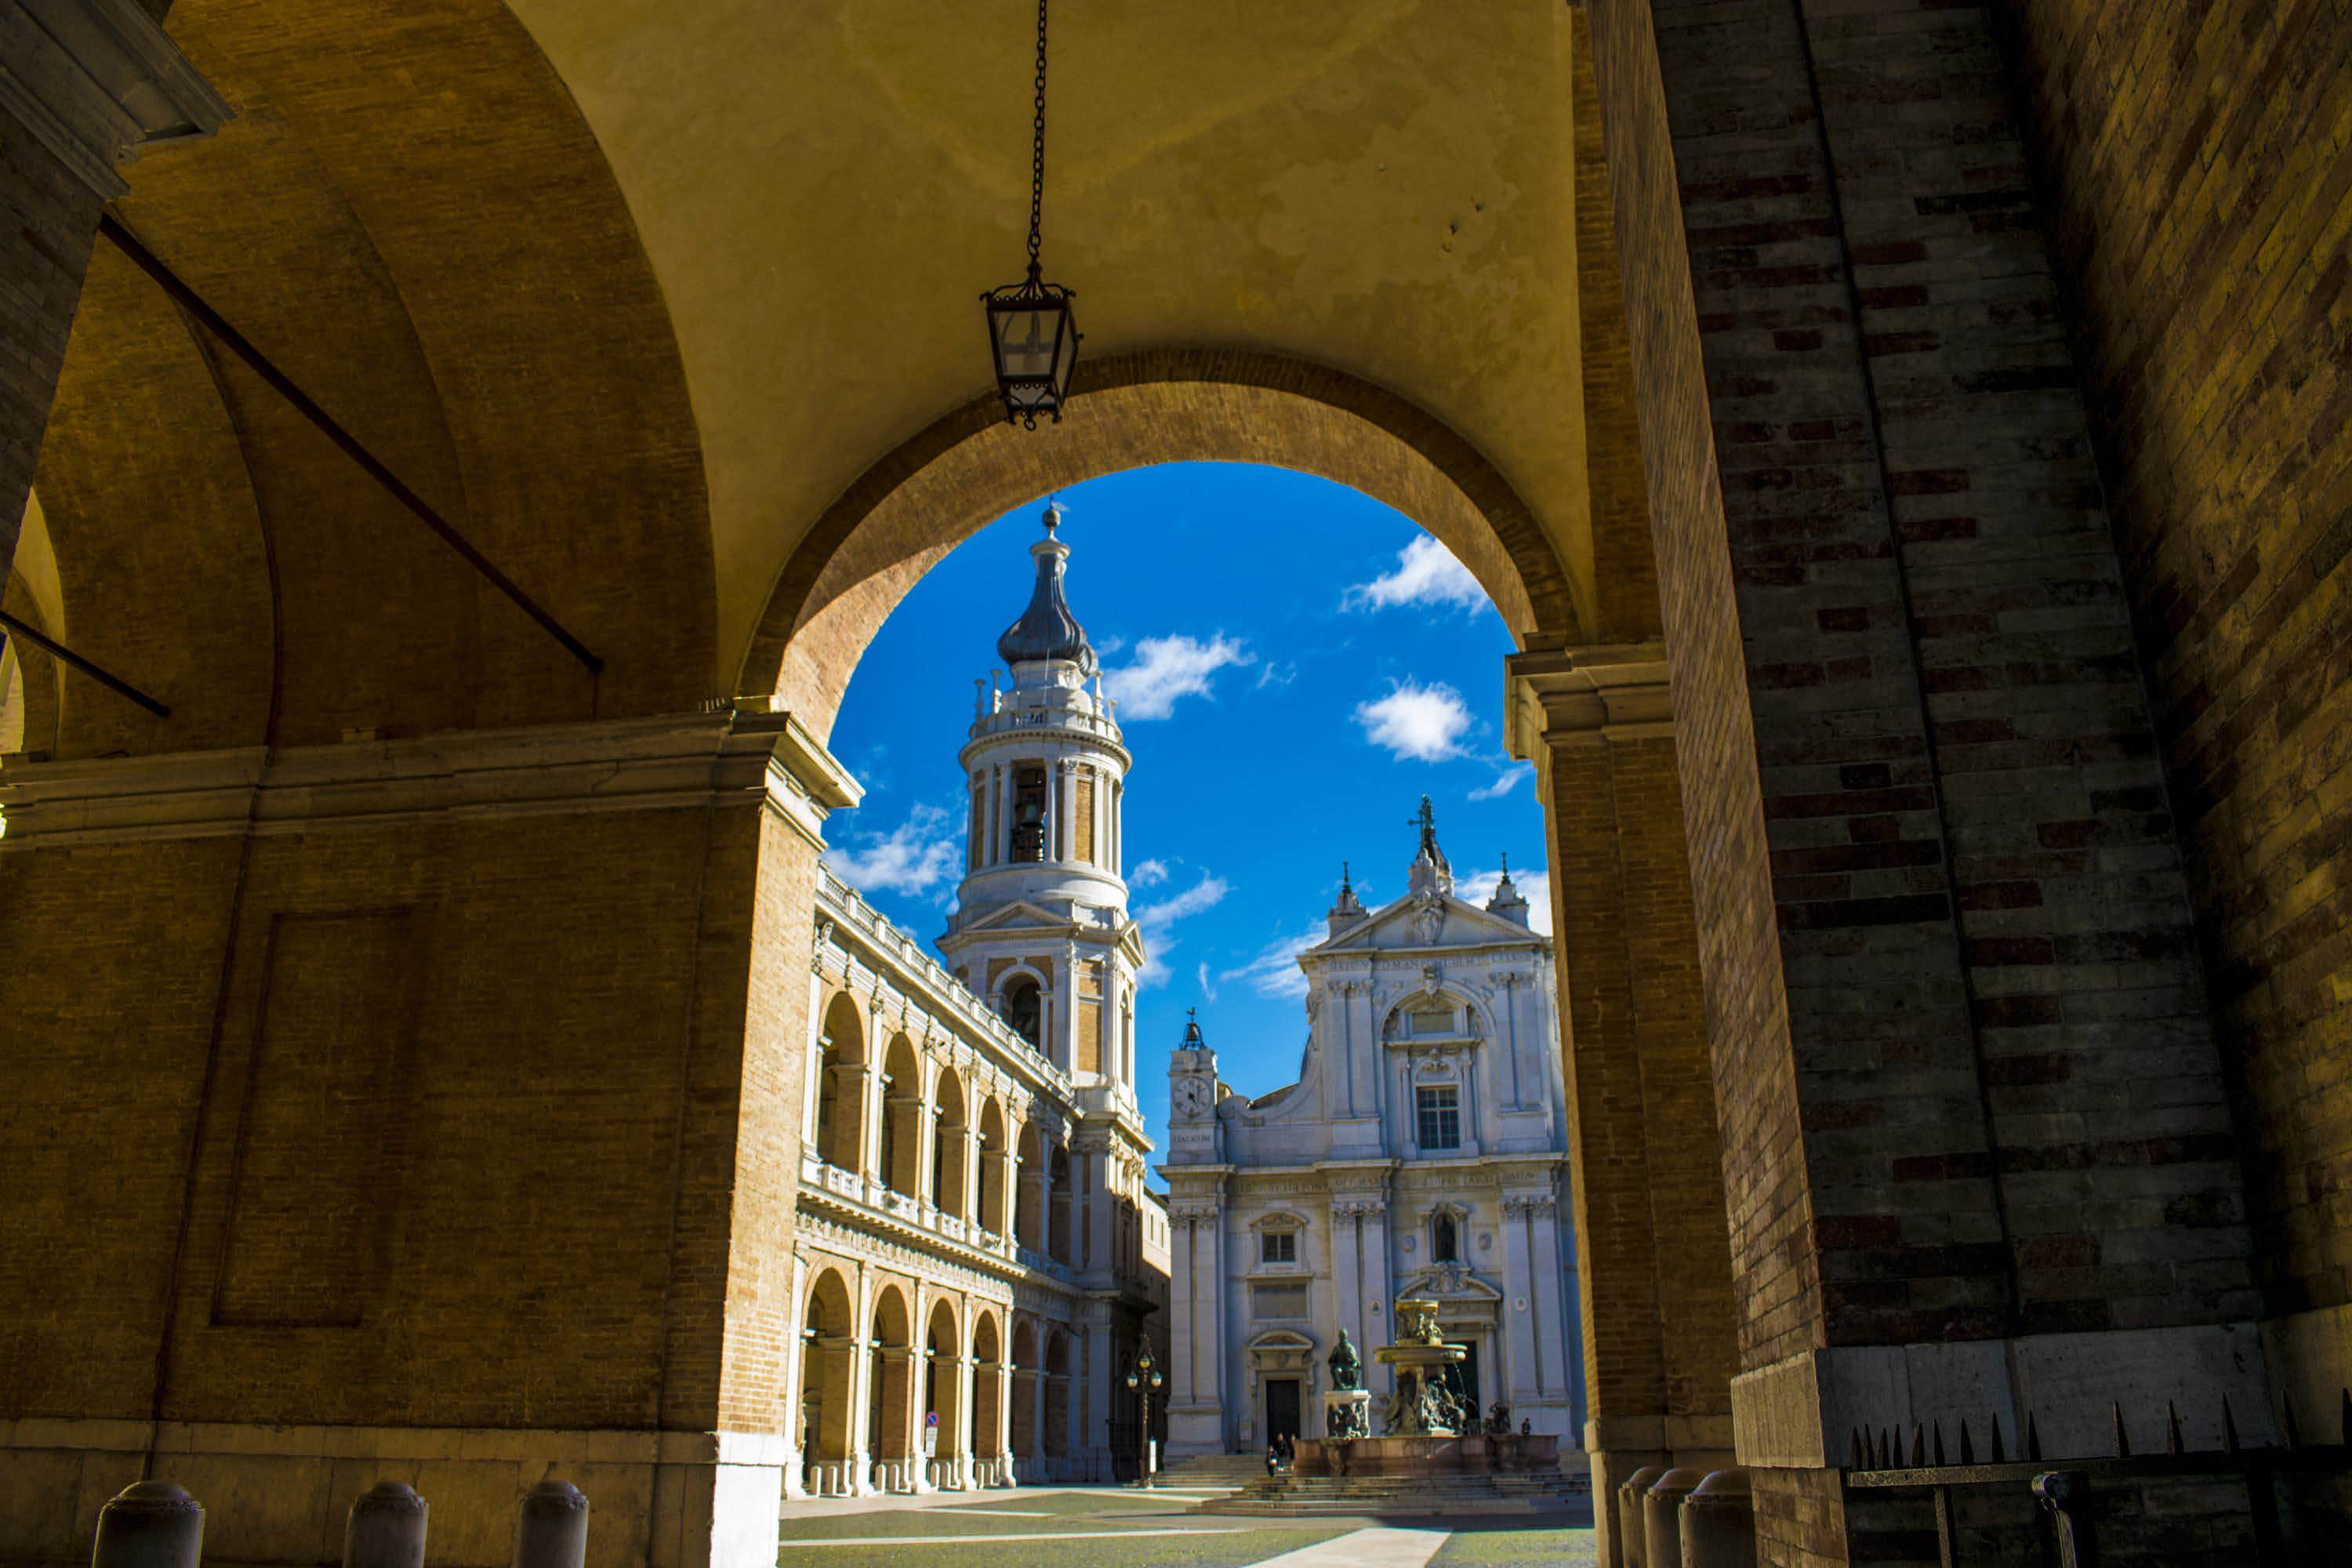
x=708 y=573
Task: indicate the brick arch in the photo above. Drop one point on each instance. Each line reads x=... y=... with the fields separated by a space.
x=968 y=467
x=219 y=553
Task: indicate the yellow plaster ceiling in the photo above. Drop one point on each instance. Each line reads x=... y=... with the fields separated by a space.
x=824 y=189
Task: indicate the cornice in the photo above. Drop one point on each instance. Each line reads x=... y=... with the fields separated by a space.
x=1602 y=692
x=667 y=761
x=92 y=81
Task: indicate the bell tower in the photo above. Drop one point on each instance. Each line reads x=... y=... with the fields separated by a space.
x=1041 y=930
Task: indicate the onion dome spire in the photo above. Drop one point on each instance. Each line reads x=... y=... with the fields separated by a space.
x=1047 y=629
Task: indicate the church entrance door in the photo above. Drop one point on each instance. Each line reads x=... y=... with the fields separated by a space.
x=1281 y=1407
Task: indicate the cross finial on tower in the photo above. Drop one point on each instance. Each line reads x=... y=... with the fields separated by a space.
x=1427 y=822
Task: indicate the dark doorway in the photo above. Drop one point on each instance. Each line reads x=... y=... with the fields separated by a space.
x=1281 y=1407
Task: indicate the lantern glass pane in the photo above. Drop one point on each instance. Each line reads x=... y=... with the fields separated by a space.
x=1065 y=354
x=1027 y=343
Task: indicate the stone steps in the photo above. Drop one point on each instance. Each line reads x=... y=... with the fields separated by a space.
x=1403 y=1496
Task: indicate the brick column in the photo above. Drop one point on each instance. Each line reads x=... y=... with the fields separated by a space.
x=1644 y=1156
x=1975 y=1121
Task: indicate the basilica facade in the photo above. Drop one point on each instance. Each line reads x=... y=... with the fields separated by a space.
x=978 y=1256
x=1420 y=1154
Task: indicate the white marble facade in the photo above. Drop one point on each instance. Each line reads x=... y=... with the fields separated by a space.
x=1422 y=1153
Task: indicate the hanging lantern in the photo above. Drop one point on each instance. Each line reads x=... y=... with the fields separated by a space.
x=1032 y=334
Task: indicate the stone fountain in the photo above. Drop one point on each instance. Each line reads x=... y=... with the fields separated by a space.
x=1427 y=1402
x=1428 y=1428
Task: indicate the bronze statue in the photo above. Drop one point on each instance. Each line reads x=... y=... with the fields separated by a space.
x=1347 y=1366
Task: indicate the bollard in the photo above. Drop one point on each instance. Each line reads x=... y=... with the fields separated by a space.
x=150 y=1524
x=551 y=1531
x=1662 y=1525
x=386 y=1528
x=1718 y=1522
x=1628 y=1552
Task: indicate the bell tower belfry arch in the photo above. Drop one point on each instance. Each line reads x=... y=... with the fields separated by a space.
x=1042 y=929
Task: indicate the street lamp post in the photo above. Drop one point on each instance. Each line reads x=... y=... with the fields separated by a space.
x=1145 y=1379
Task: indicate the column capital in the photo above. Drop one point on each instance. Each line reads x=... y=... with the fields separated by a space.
x=1601 y=691
x=90 y=81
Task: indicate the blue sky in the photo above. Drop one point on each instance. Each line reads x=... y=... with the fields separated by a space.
x=1296 y=665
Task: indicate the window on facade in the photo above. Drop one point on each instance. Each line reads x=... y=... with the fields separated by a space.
x=1279 y=1246
x=1023 y=1009
x=1028 y=813
x=1440 y=1116
x=1444 y=1241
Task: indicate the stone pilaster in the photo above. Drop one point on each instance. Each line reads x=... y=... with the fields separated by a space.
x=1645 y=1153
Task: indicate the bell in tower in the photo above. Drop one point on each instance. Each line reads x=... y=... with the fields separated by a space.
x=1042 y=930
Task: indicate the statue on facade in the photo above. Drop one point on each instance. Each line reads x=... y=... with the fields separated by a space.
x=1347 y=1366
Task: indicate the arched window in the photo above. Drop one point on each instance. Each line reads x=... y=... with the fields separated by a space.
x=1444 y=1240
x=1025 y=1010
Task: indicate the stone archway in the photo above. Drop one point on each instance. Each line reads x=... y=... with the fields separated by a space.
x=839 y=1137
x=828 y=1377
x=995 y=1213
x=990 y=1441
x=943 y=1394
x=919 y=500
x=891 y=1387
x=950 y=1133
x=1028 y=1390
x=1597 y=719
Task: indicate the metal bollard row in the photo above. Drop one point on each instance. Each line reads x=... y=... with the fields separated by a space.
x=156 y=1524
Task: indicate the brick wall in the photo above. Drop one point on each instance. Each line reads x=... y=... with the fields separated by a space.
x=1968 y=1086
x=563 y=1176
x=2195 y=160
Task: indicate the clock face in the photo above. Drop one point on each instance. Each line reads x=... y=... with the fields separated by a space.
x=1191 y=1095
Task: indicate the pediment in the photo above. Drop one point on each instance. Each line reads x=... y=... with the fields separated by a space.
x=1404 y=925
x=1018 y=915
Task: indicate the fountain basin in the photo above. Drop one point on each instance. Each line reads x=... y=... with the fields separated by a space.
x=1504 y=1453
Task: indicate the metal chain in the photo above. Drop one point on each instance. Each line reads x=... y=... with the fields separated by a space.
x=1037 y=143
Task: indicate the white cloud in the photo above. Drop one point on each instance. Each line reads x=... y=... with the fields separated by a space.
x=1106 y=647
x=1155 y=970
x=1166 y=668
x=1534 y=886
x=1509 y=779
x=1204 y=894
x=1276 y=674
x=1426 y=573
x=1275 y=971
x=1147 y=874
x=919 y=853
x=1207 y=986
x=1417 y=722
